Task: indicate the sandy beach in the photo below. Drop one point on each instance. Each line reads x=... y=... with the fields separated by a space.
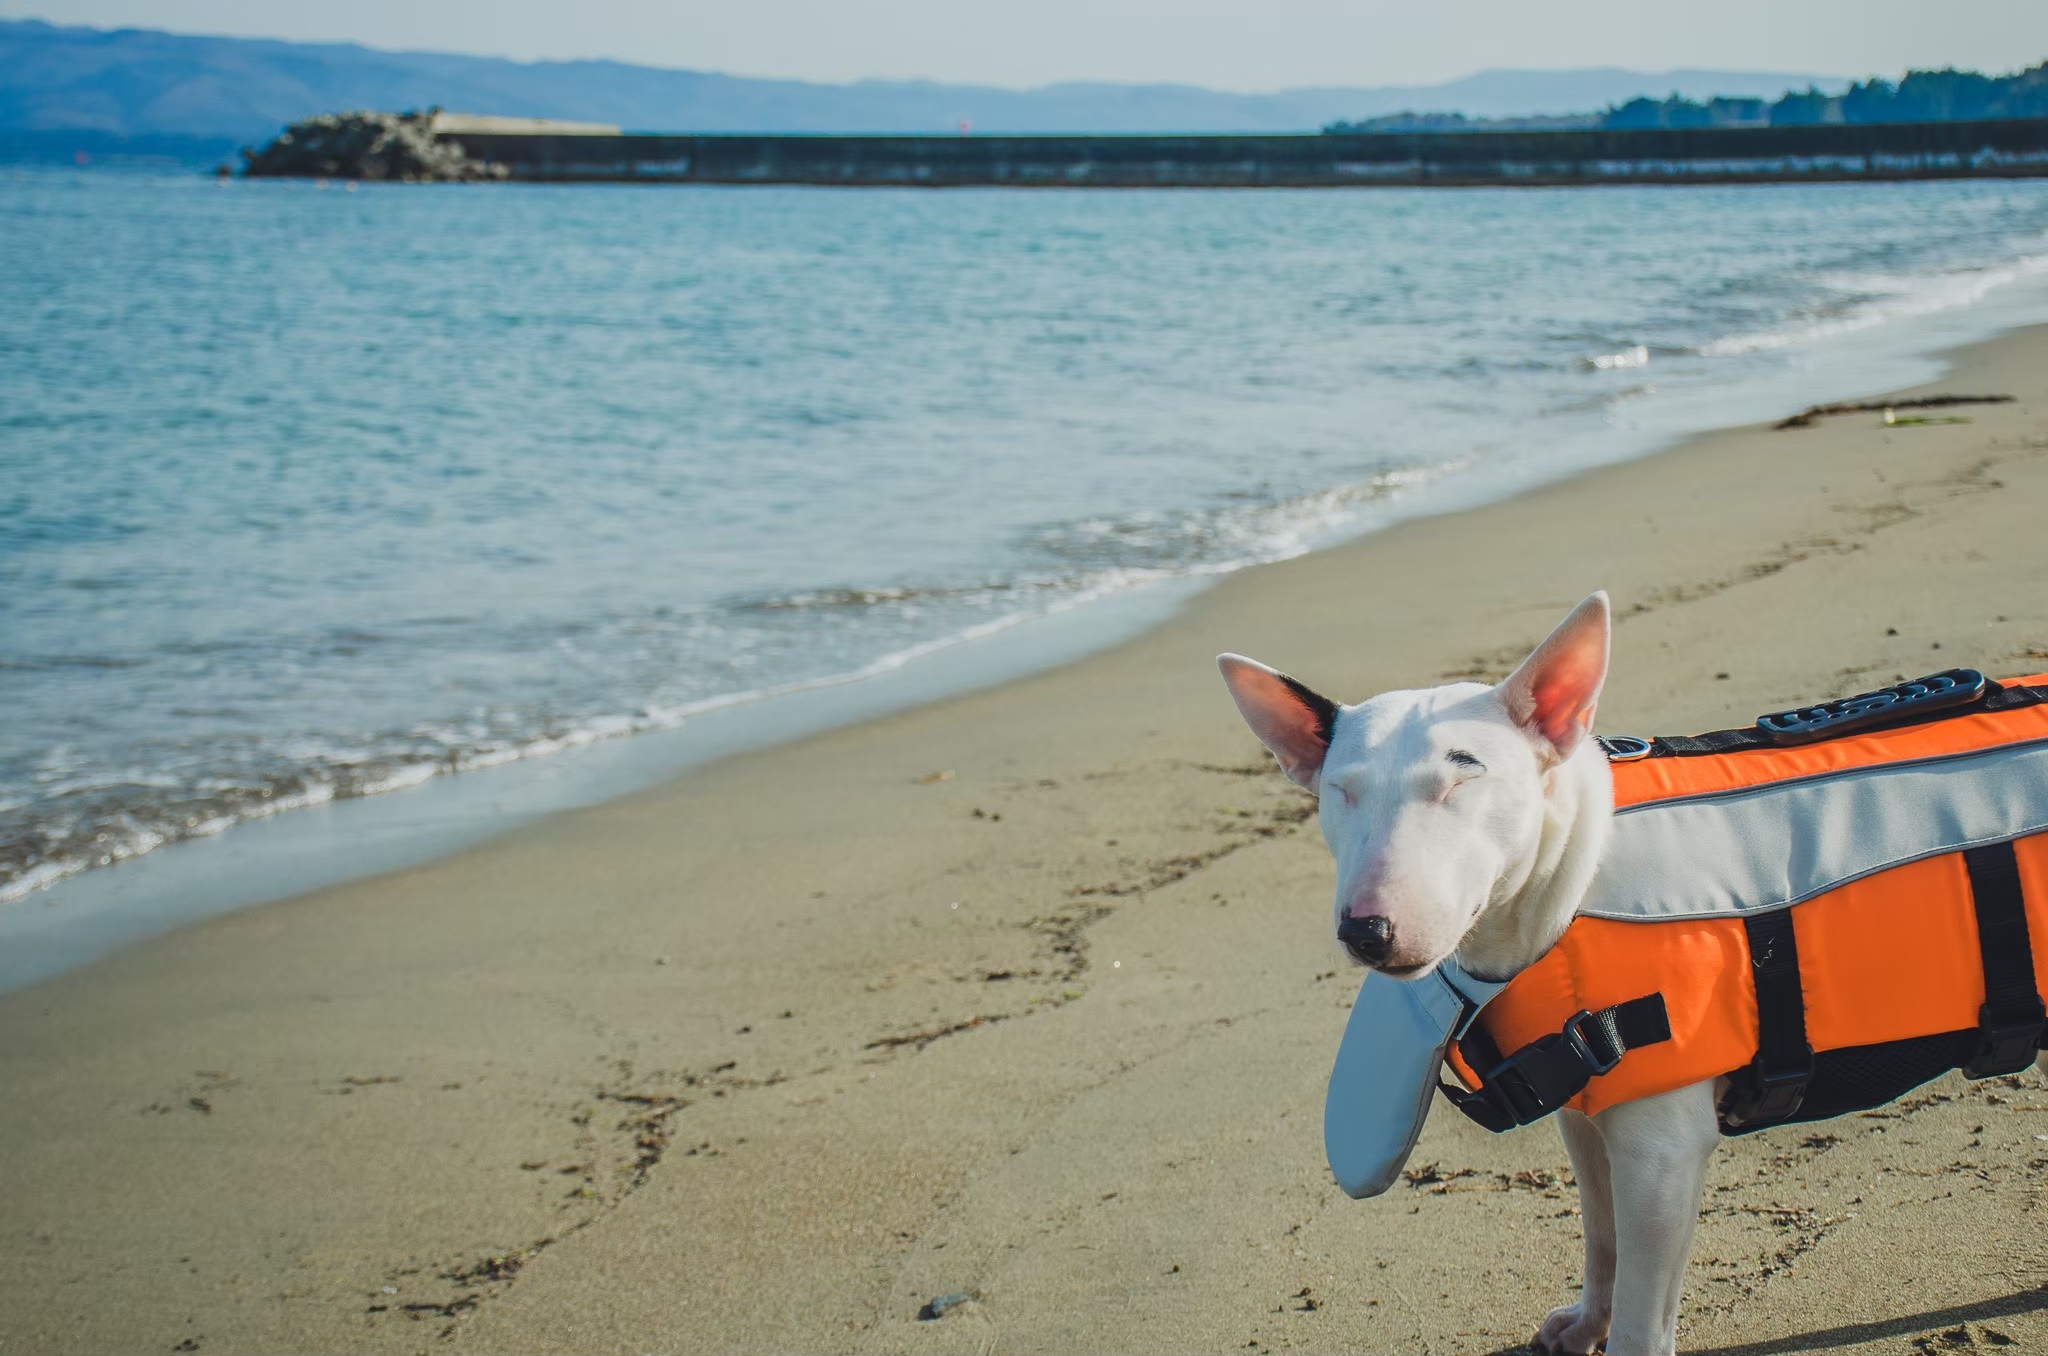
x=1028 y=996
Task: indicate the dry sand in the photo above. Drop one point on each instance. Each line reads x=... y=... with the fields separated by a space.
x=769 y=1057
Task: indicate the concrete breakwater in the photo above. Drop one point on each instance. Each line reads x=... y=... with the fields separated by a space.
x=1933 y=150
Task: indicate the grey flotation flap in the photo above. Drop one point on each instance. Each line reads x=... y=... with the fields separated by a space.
x=1758 y=848
x=1387 y=1068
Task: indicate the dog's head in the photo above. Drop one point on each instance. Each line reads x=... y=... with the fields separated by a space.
x=1434 y=802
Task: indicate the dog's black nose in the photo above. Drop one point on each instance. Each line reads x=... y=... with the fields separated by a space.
x=1368 y=939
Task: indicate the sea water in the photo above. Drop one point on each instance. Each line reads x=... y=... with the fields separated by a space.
x=310 y=493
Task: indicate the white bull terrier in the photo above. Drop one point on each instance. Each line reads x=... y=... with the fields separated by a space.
x=1467 y=822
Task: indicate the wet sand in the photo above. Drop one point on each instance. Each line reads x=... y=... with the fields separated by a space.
x=1027 y=995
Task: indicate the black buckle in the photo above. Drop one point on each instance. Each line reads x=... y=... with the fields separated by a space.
x=1575 y=1036
x=1549 y=1071
x=1527 y=1098
x=1901 y=701
x=2004 y=1047
x=1479 y=1106
x=1513 y=1093
x=1761 y=1098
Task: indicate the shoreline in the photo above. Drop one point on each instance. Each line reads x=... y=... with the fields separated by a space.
x=95 y=912
x=768 y=1057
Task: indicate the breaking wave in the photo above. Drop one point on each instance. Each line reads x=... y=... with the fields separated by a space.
x=1859 y=302
x=74 y=816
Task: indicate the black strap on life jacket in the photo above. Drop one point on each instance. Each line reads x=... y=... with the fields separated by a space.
x=1938 y=696
x=2009 y=1024
x=1551 y=1070
x=1772 y=1086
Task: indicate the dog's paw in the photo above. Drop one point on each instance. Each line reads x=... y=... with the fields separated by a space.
x=1571 y=1331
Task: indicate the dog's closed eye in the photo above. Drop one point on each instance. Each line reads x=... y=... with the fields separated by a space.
x=1465 y=761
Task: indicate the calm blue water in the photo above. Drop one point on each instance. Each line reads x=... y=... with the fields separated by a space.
x=308 y=494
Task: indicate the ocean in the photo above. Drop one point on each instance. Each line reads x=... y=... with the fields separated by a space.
x=310 y=494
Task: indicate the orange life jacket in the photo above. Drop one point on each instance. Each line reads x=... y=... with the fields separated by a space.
x=1826 y=922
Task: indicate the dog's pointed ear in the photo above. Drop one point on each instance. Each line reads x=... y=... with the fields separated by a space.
x=1292 y=721
x=1553 y=694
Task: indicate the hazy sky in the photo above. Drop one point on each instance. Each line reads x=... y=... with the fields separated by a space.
x=1228 y=44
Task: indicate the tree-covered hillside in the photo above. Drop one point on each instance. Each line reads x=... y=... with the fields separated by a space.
x=1922 y=96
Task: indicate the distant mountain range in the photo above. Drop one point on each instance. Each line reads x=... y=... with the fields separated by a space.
x=139 y=89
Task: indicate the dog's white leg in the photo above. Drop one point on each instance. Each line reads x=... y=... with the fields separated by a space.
x=1579 y=1329
x=1657 y=1154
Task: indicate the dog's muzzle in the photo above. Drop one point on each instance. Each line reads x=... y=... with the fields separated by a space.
x=1368 y=939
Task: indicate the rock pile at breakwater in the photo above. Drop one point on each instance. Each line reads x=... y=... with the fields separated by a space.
x=362 y=145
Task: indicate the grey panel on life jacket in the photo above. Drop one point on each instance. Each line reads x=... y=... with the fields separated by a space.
x=1386 y=1071
x=1768 y=847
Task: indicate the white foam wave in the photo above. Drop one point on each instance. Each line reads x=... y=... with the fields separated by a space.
x=1890 y=297
x=1196 y=545
x=1639 y=356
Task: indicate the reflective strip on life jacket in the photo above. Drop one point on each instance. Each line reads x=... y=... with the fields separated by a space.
x=1764 y=847
x=1862 y=839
